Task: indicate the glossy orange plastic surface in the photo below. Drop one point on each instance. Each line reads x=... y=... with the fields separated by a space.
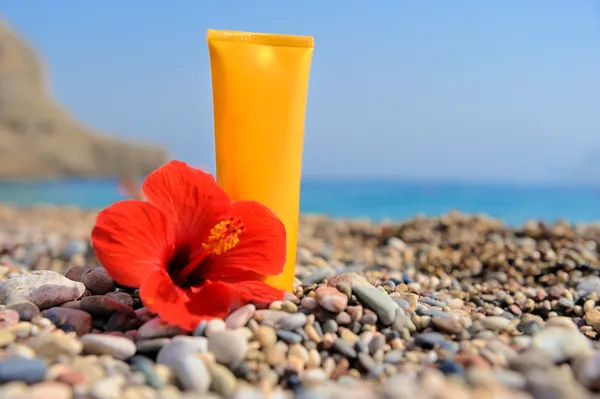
x=260 y=85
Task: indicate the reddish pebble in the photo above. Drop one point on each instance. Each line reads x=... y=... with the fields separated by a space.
x=122 y=297
x=331 y=299
x=103 y=306
x=156 y=328
x=240 y=317
x=75 y=273
x=72 y=305
x=144 y=315
x=97 y=281
x=70 y=319
x=72 y=378
x=469 y=361
x=8 y=317
x=340 y=369
x=309 y=303
x=515 y=310
x=348 y=278
x=122 y=321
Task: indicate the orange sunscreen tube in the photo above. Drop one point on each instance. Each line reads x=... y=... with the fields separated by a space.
x=260 y=84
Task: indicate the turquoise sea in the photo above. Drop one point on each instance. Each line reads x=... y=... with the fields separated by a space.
x=374 y=199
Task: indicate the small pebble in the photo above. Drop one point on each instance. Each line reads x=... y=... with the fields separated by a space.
x=228 y=347
x=26 y=309
x=266 y=336
x=240 y=317
x=331 y=299
x=97 y=281
x=26 y=370
x=71 y=320
x=117 y=347
x=156 y=328
x=293 y=322
x=378 y=301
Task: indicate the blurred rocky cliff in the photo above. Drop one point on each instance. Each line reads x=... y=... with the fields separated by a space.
x=40 y=140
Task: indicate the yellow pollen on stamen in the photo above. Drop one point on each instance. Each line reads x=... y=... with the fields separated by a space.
x=224 y=236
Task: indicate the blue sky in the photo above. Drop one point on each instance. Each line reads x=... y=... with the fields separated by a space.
x=467 y=90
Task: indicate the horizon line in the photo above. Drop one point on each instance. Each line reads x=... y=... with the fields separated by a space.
x=433 y=181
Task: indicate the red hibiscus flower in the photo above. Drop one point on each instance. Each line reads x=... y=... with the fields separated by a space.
x=193 y=253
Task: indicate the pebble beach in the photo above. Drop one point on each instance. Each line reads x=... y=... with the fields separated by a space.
x=455 y=307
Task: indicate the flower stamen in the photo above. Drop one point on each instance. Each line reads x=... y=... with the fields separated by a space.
x=224 y=236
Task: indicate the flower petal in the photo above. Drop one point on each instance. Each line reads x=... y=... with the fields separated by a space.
x=257 y=292
x=211 y=301
x=191 y=199
x=131 y=239
x=261 y=249
x=161 y=296
x=185 y=308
